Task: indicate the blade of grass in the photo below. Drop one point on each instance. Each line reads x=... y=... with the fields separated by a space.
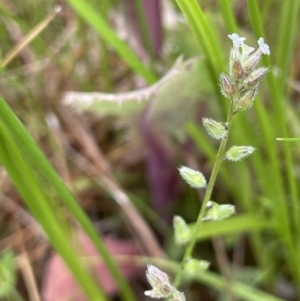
x=228 y=16
x=280 y=119
x=205 y=39
x=27 y=144
x=107 y=76
x=31 y=35
x=234 y=225
x=289 y=25
x=88 y=13
x=245 y=292
x=27 y=185
x=144 y=29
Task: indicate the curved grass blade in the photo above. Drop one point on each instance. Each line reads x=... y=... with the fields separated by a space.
x=88 y=13
x=27 y=185
x=30 y=149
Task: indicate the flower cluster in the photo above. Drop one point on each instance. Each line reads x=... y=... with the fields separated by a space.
x=161 y=286
x=240 y=87
x=241 y=84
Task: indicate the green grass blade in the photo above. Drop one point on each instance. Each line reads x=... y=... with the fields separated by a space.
x=88 y=13
x=201 y=30
x=282 y=210
x=228 y=16
x=144 y=29
x=27 y=185
x=234 y=225
x=243 y=291
x=289 y=25
x=206 y=41
x=29 y=147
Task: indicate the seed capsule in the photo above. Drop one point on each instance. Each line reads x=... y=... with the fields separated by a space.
x=227 y=86
x=237 y=153
x=194 y=178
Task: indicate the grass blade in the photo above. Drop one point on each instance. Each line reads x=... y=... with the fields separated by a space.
x=30 y=149
x=87 y=12
x=27 y=185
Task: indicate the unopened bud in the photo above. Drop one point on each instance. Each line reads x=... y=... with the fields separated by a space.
x=194 y=178
x=253 y=78
x=159 y=281
x=215 y=129
x=237 y=153
x=182 y=232
x=216 y=212
x=245 y=101
x=237 y=71
x=227 y=86
x=252 y=61
x=161 y=287
x=195 y=266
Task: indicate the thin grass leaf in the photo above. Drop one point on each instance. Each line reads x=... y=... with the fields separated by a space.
x=30 y=36
x=88 y=13
x=283 y=211
x=243 y=291
x=27 y=185
x=288 y=28
x=30 y=149
x=228 y=16
x=205 y=38
x=234 y=225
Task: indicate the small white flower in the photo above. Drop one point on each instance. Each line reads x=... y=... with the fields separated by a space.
x=265 y=49
x=246 y=49
x=236 y=39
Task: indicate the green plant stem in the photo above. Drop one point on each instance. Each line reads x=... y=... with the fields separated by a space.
x=211 y=184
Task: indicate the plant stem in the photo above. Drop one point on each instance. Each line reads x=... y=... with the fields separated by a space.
x=211 y=184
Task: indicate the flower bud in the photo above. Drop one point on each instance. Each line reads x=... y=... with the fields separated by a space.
x=252 y=61
x=245 y=101
x=159 y=281
x=216 y=212
x=237 y=153
x=195 y=266
x=161 y=287
x=253 y=78
x=182 y=231
x=214 y=128
x=227 y=86
x=194 y=178
x=237 y=71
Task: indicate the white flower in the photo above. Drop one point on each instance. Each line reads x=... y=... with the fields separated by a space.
x=236 y=39
x=263 y=47
x=246 y=49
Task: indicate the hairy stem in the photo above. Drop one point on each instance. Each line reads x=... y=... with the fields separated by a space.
x=210 y=186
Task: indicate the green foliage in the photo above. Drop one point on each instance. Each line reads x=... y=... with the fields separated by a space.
x=7 y=274
x=264 y=187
